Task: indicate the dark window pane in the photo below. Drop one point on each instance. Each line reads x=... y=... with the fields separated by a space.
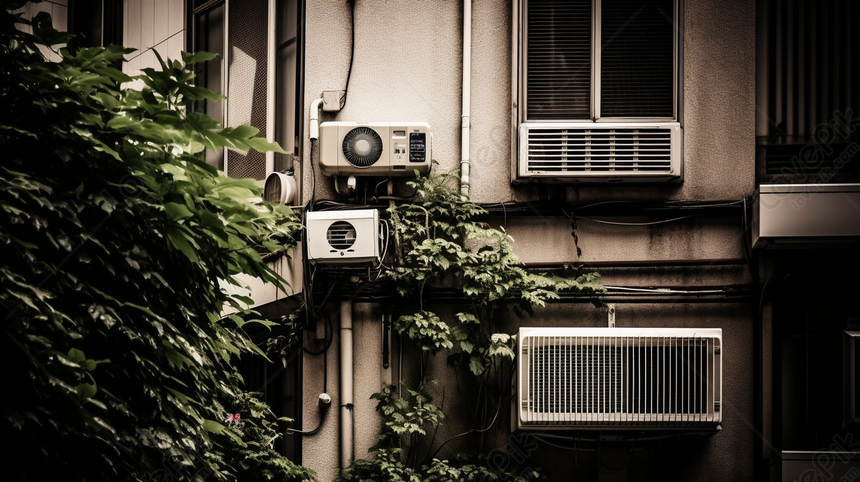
x=637 y=56
x=209 y=37
x=287 y=120
x=85 y=20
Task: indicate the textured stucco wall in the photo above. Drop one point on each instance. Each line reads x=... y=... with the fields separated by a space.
x=407 y=66
x=408 y=63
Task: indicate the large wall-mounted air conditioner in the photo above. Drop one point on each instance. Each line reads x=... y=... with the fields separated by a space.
x=599 y=152
x=375 y=149
x=619 y=378
x=343 y=237
x=806 y=215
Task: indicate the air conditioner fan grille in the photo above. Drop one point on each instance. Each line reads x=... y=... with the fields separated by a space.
x=340 y=235
x=362 y=147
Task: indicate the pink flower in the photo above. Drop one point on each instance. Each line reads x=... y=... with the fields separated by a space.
x=232 y=419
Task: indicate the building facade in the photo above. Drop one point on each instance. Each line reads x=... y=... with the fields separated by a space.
x=701 y=155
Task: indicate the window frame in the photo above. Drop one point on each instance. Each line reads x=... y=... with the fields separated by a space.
x=520 y=68
x=283 y=127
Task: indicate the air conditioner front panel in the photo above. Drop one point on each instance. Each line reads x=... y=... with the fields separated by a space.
x=583 y=378
x=375 y=149
x=347 y=237
x=599 y=152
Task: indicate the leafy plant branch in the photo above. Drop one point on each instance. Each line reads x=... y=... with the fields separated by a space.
x=120 y=242
x=444 y=242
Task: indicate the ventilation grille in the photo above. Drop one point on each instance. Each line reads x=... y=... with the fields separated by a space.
x=340 y=235
x=597 y=151
x=593 y=378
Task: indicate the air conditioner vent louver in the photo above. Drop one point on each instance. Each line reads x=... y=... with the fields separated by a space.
x=619 y=378
x=340 y=235
x=600 y=152
x=362 y=147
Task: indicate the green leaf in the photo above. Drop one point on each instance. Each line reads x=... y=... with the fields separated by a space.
x=213 y=426
x=86 y=390
x=75 y=355
x=476 y=365
x=181 y=241
x=177 y=211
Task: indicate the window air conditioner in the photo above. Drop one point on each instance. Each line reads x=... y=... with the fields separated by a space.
x=619 y=378
x=344 y=237
x=599 y=152
x=374 y=149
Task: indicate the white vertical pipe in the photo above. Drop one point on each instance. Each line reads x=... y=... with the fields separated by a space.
x=346 y=373
x=271 y=64
x=465 y=163
x=225 y=80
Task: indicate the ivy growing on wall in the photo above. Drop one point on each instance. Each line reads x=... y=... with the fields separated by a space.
x=441 y=241
x=118 y=243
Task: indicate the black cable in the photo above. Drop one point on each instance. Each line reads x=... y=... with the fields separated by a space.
x=323 y=410
x=473 y=430
x=351 y=50
x=328 y=337
x=310 y=432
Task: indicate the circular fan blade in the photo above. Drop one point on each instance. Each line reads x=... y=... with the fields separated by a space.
x=362 y=147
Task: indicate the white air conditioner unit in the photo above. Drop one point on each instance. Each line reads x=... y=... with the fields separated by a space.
x=343 y=237
x=374 y=149
x=619 y=378
x=806 y=215
x=599 y=152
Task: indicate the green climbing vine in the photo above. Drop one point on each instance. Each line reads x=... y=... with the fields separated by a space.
x=443 y=242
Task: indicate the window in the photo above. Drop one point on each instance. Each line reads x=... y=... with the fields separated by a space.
x=259 y=45
x=98 y=23
x=808 y=92
x=208 y=36
x=598 y=90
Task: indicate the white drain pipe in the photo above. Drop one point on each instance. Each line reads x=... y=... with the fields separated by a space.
x=346 y=389
x=465 y=163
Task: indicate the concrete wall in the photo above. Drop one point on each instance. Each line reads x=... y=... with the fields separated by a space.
x=407 y=66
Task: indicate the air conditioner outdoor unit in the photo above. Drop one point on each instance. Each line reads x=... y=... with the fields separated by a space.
x=344 y=237
x=599 y=152
x=806 y=215
x=374 y=149
x=619 y=378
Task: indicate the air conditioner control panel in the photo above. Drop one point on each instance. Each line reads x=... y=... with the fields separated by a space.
x=417 y=147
